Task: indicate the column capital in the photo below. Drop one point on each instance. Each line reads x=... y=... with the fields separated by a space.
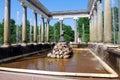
x=48 y=20
x=42 y=16
x=23 y=4
x=75 y=18
x=34 y=11
x=61 y=18
x=100 y=1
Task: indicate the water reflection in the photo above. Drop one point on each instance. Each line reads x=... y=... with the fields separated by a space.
x=80 y=62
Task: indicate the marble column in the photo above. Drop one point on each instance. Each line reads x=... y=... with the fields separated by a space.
x=90 y=23
x=47 y=36
x=107 y=22
x=35 y=27
x=92 y=29
x=42 y=30
x=99 y=22
x=119 y=21
x=75 y=30
x=39 y=34
x=7 y=23
x=45 y=32
x=24 y=24
x=95 y=26
x=61 y=26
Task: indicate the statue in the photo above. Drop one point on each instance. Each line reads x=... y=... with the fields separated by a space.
x=62 y=38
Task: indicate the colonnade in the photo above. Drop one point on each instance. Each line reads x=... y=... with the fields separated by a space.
x=97 y=32
x=24 y=24
x=75 y=28
x=44 y=32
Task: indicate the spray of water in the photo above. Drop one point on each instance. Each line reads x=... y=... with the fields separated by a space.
x=30 y=32
x=83 y=32
x=17 y=28
x=113 y=21
x=54 y=33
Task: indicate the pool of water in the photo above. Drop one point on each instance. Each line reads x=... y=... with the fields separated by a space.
x=81 y=62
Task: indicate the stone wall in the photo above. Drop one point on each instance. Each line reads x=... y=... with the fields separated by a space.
x=109 y=53
x=12 y=51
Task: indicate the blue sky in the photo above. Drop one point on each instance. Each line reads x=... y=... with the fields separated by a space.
x=51 y=5
x=60 y=5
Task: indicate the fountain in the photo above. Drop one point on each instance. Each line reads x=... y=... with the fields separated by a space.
x=17 y=28
x=83 y=32
x=61 y=49
x=30 y=32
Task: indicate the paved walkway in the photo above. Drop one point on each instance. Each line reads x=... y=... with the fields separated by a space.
x=20 y=76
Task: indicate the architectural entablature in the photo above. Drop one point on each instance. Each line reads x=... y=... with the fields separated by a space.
x=37 y=6
x=69 y=16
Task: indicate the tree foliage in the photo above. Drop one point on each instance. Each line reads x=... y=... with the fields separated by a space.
x=55 y=32
x=84 y=21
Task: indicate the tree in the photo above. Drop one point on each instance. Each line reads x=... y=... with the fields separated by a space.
x=55 y=32
x=12 y=31
x=1 y=33
x=68 y=33
x=84 y=21
x=51 y=33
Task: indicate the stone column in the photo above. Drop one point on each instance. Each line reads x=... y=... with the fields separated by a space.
x=42 y=30
x=39 y=37
x=119 y=21
x=75 y=30
x=93 y=29
x=35 y=27
x=7 y=23
x=90 y=23
x=45 y=32
x=107 y=22
x=47 y=37
x=61 y=26
x=24 y=24
x=95 y=26
x=99 y=22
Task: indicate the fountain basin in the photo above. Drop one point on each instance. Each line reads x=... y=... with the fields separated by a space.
x=83 y=63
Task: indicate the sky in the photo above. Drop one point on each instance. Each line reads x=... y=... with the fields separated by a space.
x=51 y=5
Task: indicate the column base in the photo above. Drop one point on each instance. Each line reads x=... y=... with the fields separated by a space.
x=35 y=43
x=110 y=45
x=6 y=45
x=24 y=44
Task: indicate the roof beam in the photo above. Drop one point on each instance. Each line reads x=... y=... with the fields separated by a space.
x=69 y=16
x=36 y=6
x=93 y=7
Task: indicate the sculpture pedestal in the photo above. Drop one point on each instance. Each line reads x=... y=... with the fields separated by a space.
x=61 y=50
